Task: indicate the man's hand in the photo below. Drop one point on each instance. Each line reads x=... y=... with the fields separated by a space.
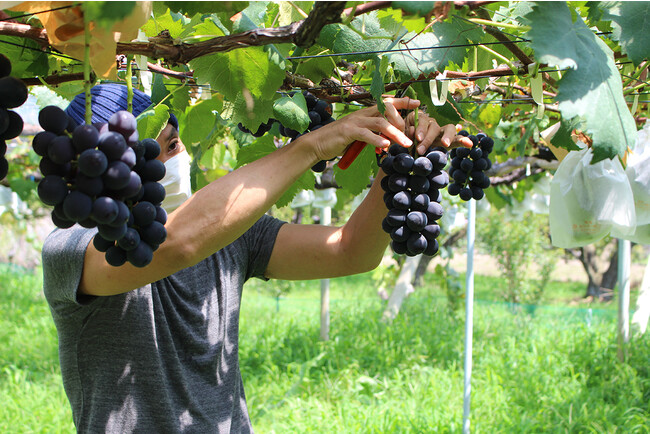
x=366 y=125
x=428 y=133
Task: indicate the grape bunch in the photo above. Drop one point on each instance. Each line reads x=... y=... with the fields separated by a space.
x=320 y=114
x=468 y=166
x=103 y=176
x=412 y=195
x=13 y=93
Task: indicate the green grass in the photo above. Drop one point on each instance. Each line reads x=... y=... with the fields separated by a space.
x=553 y=371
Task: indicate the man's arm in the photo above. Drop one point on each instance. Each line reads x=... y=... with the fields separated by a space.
x=315 y=251
x=221 y=212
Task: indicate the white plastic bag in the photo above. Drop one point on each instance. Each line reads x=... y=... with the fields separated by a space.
x=589 y=201
x=638 y=173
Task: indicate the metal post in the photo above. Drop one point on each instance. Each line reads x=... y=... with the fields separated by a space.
x=469 y=312
x=326 y=219
x=624 y=256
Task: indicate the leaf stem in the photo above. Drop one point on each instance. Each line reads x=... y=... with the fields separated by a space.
x=500 y=57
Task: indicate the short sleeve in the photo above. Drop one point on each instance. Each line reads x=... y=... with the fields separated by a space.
x=63 y=260
x=260 y=239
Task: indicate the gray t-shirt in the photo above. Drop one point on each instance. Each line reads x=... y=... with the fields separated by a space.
x=162 y=358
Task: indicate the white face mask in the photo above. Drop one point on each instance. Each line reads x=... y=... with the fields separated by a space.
x=177 y=181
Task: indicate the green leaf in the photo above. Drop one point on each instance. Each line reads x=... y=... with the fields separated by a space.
x=292 y=112
x=288 y=12
x=592 y=88
x=251 y=113
x=562 y=139
x=27 y=57
x=107 y=13
x=444 y=114
x=490 y=115
x=251 y=18
x=343 y=39
x=523 y=141
x=151 y=122
x=192 y=8
x=158 y=89
x=315 y=68
x=377 y=87
x=357 y=177
x=251 y=70
x=166 y=21
x=199 y=121
x=422 y=60
x=631 y=27
x=420 y=8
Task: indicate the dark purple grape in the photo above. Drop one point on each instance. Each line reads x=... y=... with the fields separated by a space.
x=13 y=93
x=477 y=193
x=438 y=159
x=396 y=149
x=77 y=206
x=403 y=163
x=416 y=244
x=386 y=227
x=422 y=166
x=115 y=256
x=475 y=153
x=465 y=193
x=161 y=215
x=85 y=137
x=153 y=234
x=92 y=163
x=400 y=234
x=462 y=152
x=420 y=202
x=112 y=144
x=52 y=190
x=112 y=232
x=324 y=109
x=454 y=189
x=151 y=149
x=130 y=240
x=61 y=223
x=416 y=220
x=154 y=192
x=101 y=244
x=319 y=167
x=466 y=165
x=61 y=150
x=104 y=210
x=4 y=120
x=431 y=231
x=123 y=214
x=396 y=217
x=432 y=247
x=402 y=200
x=15 y=126
x=434 y=211
x=123 y=122
x=92 y=186
x=49 y=167
x=132 y=188
x=439 y=180
x=53 y=119
x=399 y=248
x=398 y=182
x=42 y=141
x=5 y=66
x=419 y=184
x=387 y=164
x=153 y=170
x=4 y=167
x=141 y=256
x=459 y=176
x=128 y=157
x=481 y=164
x=144 y=213
x=116 y=176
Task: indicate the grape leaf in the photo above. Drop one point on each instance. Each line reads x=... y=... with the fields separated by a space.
x=199 y=121
x=356 y=177
x=377 y=87
x=158 y=23
x=343 y=39
x=592 y=88
x=250 y=18
x=192 y=8
x=422 y=59
x=27 y=57
x=420 y=8
x=291 y=111
x=315 y=68
x=264 y=146
x=562 y=139
x=253 y=69
x=631 y=27
x=106 y=13
x=151 y=122
x=158 y=89
x=250 y=112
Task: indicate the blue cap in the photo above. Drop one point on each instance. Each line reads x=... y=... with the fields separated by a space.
x=107 y=99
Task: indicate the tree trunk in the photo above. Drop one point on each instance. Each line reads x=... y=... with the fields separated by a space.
x=601 y=266
x=403 y=287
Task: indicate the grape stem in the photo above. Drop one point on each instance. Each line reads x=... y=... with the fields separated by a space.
x=129 y=83
x=89 y=113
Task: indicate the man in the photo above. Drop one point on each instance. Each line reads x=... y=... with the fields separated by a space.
x=155 y=349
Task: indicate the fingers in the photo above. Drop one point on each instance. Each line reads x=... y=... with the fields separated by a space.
x=403 y=103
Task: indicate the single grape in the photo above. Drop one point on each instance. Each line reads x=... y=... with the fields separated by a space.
x=15 y=126
x=123 y=214
x=422 y=166
x=144 y=213
x=396 y=149
x=116 y=176
x=431 y=231
x=402 y=200
x=151 y=149
x=475 y=153
x=438 y=159
x=4 y=167
x=403 y=163
x=13 y=93
x=435 y=211
x=416 y=244
x=115 y=256
x=398 y=248
x=49 y=167
x=61 y=223
x=77 y=206
x=130 y=240
x=398 y=182
x=161 y=215
x=419 y=184
x=416 y=220
x=101 y=244
x=420 y=202
x=52 y=190
x=154 y=192
x=112 y=232
x=92 y=162
x=466 y=165
x=477 y=192
x=53 y=119
x=92 y=186
x=61 y=150
x=128 y=158
x=438 y=180
x=5 y=66
x=42 y=141
x=400 y=234
x=155 y=233
x=454 y=189
x=123 y=122
x=132 y=188
x=104 y=210
x=112 y=144
x=85 y=137
x=432 y=248
x=465 y=193
x=396 y=217
x=141 y=256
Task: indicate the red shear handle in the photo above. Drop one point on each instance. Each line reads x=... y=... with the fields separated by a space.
x=351 y=154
